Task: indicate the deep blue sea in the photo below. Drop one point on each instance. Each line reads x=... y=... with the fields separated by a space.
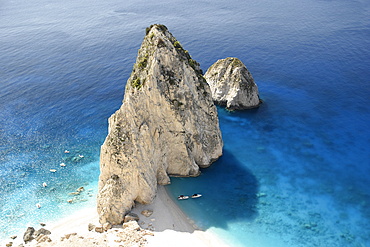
x=295 y=172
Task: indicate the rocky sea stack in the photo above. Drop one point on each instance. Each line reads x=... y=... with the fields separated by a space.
x=167 y=125
x=232 y=85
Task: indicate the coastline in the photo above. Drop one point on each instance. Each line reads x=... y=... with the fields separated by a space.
x=172 y=227
x=167 y=226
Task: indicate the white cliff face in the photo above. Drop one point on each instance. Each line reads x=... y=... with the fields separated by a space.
x=232 y=84
x=167 y=125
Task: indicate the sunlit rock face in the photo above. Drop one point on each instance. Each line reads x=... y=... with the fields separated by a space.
x=167 y=125
x=232 y=85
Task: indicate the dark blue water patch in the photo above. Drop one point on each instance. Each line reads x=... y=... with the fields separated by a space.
x=232 y=195
x=278 y=144
x=284 y=205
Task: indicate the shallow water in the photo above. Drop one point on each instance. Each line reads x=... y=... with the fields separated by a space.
x=294 y=172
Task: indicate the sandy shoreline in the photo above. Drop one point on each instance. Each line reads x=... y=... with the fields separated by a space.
x=171 y=226
x=167 y=226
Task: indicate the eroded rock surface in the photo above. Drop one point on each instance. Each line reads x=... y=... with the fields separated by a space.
x=232 y=84
x=167 y=125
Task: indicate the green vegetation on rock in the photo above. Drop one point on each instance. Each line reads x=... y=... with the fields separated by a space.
x=161 y=43
x=143 y=62
x=185 y=54
x=237 y=63
x=161 y=27
x=177 y=45
x=192 y=63
x=136 y=83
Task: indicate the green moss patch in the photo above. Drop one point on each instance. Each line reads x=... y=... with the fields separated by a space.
x=160 y=27
x=143 y=62
x=136 y=83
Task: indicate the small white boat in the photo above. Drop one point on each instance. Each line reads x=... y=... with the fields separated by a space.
x=196 y=196
x=182 y=197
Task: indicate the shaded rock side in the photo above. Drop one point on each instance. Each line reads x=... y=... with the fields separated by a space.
x=232 y=84
x=167 y=125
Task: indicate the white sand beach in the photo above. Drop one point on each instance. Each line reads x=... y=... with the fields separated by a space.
x=167 y=226
x=171 y=226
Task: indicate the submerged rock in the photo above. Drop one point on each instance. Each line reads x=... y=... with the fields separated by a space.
x=147 y=212
x=232 y=84
x=167 y=125
x=80 y=189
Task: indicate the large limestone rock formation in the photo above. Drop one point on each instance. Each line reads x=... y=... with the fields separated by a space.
x=232 y=84
x=167 y=125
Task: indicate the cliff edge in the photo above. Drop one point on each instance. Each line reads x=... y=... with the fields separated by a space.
x=232 y=84
x=167 y=125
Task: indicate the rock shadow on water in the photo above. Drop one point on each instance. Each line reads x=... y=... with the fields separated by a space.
x=229 y=194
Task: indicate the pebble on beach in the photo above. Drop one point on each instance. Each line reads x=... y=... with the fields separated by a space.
x=147 y=212
x=67 y=236
x=90 y=227
x=107 y=226
x=99 y=229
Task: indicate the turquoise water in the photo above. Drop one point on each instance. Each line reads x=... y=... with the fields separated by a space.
x=295 y=172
